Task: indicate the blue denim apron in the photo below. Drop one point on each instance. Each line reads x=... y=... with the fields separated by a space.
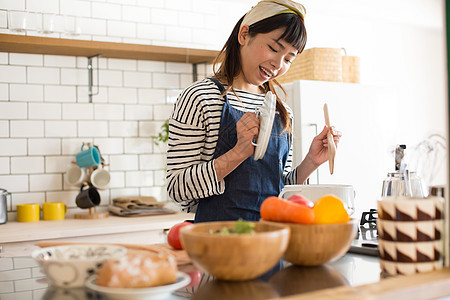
x=253 y=180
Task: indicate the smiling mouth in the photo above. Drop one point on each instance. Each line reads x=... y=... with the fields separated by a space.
x=267 y=72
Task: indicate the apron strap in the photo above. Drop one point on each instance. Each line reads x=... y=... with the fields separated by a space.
x=217 y=82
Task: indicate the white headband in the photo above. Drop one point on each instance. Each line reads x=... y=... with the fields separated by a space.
x=269 y=8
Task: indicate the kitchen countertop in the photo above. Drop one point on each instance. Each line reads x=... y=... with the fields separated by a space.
x=288 y=280
x=13 y=231
x=283 y=280
x=354 y=276
x=20 y=239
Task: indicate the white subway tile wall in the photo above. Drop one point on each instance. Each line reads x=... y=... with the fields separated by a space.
x=43 y=75
x=18 y=279
x=45 y=114
x=26 y=92
x=12 y=74
x=4 y=165
x=150 y=32
x=60 y=93
x=156 y=22
x=3 y=92
x=27 y=165
x=3 y=58
x=3 y=19
x=25 y=59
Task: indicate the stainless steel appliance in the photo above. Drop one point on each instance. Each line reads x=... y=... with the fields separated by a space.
x=366 y=241
x=402 y=182
x=3 y=206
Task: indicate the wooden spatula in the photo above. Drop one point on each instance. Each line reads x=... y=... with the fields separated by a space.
x=331 y=145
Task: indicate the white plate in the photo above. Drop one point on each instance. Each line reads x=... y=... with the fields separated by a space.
x=157 y=292
x=267 y=112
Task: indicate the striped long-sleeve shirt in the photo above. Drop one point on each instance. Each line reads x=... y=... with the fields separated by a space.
x=193 y=134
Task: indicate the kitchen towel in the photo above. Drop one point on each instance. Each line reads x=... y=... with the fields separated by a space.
x=123 y=212
x=137 y=202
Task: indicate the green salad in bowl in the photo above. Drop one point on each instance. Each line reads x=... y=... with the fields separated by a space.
x=240 y=227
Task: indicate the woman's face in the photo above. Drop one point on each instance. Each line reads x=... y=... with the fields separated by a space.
x=263 y=57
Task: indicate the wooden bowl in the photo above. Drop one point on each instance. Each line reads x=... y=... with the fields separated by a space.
x=235 y=256
x=313 y=245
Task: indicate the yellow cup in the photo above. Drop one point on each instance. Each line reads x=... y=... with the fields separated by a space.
x=54 y=210
x=28 y=212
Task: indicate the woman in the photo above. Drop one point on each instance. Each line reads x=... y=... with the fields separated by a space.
x=210 y=165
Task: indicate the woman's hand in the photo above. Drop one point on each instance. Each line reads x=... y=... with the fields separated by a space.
x=247 y=129
x=318 y=151
x=317 y=154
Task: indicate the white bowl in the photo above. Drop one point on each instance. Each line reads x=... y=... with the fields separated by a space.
x=70 y=266
x=345 y=193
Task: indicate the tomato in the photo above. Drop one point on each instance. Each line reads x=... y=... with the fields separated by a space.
x=194 y=273
x=173 y=237
x=299 y=199
x=196 y=277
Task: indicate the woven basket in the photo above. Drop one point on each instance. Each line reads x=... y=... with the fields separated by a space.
x=315 y=64
x=326 y=64
x=350 y=69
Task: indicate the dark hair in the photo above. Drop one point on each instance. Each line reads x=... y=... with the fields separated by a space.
x=229 y=58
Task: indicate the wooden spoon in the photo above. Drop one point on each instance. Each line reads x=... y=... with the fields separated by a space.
x=331 y=145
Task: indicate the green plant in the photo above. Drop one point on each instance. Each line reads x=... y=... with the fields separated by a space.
x=162 y=136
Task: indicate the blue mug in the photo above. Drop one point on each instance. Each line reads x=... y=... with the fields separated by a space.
x=88 y=158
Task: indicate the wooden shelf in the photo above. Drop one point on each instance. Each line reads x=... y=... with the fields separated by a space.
x=56 y=46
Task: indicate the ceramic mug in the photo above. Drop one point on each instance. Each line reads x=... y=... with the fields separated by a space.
x=314 y=191
x=28 y=212
x=89 y=157
x=100 y=178
x=411 y=209
x=87 y=198
x=75 y=175
x=410 y=234
x=54 y=211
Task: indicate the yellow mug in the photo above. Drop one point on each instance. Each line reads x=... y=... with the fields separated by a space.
x=54 y=211
x=28 y=212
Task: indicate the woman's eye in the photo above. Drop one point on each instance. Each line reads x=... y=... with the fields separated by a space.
x=288 y=61
x=271 y=48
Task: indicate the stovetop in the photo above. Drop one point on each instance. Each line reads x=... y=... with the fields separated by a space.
x=366 y=241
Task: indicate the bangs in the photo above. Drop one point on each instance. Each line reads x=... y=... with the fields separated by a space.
x=295 y=33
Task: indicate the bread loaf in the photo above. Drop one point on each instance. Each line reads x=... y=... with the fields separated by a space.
x=138 y=269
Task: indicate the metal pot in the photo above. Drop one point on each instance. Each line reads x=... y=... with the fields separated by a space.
x=3 y=206
x=314 y=191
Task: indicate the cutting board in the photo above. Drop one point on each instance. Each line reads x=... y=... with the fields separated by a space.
x=181 y=256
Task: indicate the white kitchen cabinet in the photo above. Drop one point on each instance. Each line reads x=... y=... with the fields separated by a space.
x=18 y=239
